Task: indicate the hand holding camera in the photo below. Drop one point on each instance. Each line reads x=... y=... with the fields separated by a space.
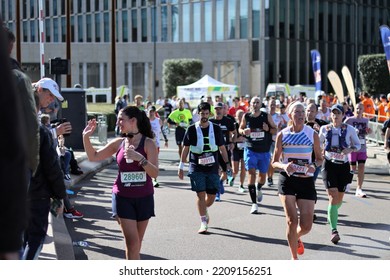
x=64 y=127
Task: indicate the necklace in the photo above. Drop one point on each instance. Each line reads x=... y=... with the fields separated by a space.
x=129 y=135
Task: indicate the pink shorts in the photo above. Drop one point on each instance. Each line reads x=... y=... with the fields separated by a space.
x=357 y=157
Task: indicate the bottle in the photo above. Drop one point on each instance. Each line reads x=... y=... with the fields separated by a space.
x=80 y=243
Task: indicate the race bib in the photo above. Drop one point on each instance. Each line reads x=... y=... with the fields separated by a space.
x=241 y=145
x=257 y=134
x=183 y=124
x=299 y=169
x=337 y=156
x=133 y=177
x=206 y=160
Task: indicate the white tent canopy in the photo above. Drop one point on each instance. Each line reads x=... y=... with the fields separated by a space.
x=206 y=86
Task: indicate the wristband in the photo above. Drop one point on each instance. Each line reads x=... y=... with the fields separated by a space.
x=181 y=165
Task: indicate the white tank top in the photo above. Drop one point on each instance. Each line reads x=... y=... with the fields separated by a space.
x=155 y=124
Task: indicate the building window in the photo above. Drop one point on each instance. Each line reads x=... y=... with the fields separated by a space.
x=197 y=22
x=175 y=23
x=144 y=25
x=232 y=19
x=97 y=5
x=55 y=30
x=80 y=28
x=89 y=28
x=208 y=21
x=97 y=28
x=47 y=8
x=243 y=19
x=186 y=22
x=63 y=29
x=32 y=4
x=125 y=28
x=219 y=20
x=106 y=27
x=47 y=30
x=164 y=24
x=93 y=74
x=55 y=9
x=25 y=32
x=88 y=6
x=138 y=78
x=255 y=19
x=32 y=31
x=134 y=26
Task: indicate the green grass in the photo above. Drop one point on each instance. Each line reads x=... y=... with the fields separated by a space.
x=100 y=108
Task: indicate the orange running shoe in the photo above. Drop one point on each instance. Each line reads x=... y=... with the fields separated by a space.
x=301 y=248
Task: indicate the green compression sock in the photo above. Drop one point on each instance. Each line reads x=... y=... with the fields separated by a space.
x=333 y=215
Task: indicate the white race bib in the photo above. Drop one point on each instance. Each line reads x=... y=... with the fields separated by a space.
x=257 y=134
x=133 y=177
x=337 y=156
x=206 y=160
x=300 y=169
x=183 y=124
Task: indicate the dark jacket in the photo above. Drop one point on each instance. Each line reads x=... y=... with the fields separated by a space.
x=48 y=181
x=28 y=113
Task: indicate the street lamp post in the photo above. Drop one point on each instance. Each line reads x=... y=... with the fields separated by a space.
x=356 y=43
x=152 y=3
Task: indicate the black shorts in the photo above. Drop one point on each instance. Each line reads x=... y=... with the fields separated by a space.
x=238 y=154
x=336 y=175
x=179 y=135
x=139 y=209
x=300 y=187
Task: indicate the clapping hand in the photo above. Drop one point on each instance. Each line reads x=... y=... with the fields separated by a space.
x=90 y=128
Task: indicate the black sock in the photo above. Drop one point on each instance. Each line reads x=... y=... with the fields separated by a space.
x=252 y=193
x=259 y=186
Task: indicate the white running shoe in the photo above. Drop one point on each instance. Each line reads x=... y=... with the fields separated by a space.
x=203 y=228
x=259 y=196
x=348 y=188
x=254 y=209
x=360 y=193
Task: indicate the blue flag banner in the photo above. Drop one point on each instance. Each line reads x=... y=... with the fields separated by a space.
x=385 y=34
x=316 y=61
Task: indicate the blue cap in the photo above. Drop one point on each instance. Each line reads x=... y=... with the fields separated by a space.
x=338 y=107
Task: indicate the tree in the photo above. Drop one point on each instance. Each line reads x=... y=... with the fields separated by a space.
x=374 y=73
x=178 y=72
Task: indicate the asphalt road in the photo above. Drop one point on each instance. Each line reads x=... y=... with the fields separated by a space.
x=234 y=234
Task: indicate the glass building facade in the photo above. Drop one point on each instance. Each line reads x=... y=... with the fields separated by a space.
x=246 y=42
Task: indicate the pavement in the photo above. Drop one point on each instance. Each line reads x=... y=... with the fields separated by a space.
x=59 y=240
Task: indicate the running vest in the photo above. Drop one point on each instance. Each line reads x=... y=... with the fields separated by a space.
x=298 y=148
x=198 y=149
x=336 y=141
x=258 y=141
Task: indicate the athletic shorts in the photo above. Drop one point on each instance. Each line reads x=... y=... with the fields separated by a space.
x=359 y=157
x=258 y=161
x=179 y=135
x=238 y=154
x=139 y=209
x=301 y=188
x=336 y=175
x=204 y=182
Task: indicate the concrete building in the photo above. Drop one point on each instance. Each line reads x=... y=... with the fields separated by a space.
x=246 y=42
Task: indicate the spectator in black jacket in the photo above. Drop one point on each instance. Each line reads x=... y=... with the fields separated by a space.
x=46 y=184
x=13 y=162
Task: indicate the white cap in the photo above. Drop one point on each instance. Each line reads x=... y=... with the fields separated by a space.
x=51 y=85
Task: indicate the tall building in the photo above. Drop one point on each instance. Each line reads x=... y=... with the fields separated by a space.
x=249 y=43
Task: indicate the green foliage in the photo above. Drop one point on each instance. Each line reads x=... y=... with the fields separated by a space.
x=179 y=72
x=374 y=73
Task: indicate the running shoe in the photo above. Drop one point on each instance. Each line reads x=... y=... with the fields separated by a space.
x=335 y=237
x=73 y=214
x=69 y=192
x=270 y=182
x=301 y=248
x=207 y=217
x=241 y=189
x=155 y=183
x=231 y=181
x=217 y=197
x=67 y=177
x=221 y=187
x=254 y=209
x=347 y=188
x=259 y=196
x=360 y=193
x=203 y=228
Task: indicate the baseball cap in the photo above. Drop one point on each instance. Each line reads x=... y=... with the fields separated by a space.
x=338 y=107
x=51 y=85
x=218 y=105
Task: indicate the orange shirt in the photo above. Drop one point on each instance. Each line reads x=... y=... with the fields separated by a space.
x=369 y=108
x=381 y=112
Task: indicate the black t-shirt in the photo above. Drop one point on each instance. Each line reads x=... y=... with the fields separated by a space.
x=191 y=139
x=258 y=141
x=226 y=125
x=167 y=109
